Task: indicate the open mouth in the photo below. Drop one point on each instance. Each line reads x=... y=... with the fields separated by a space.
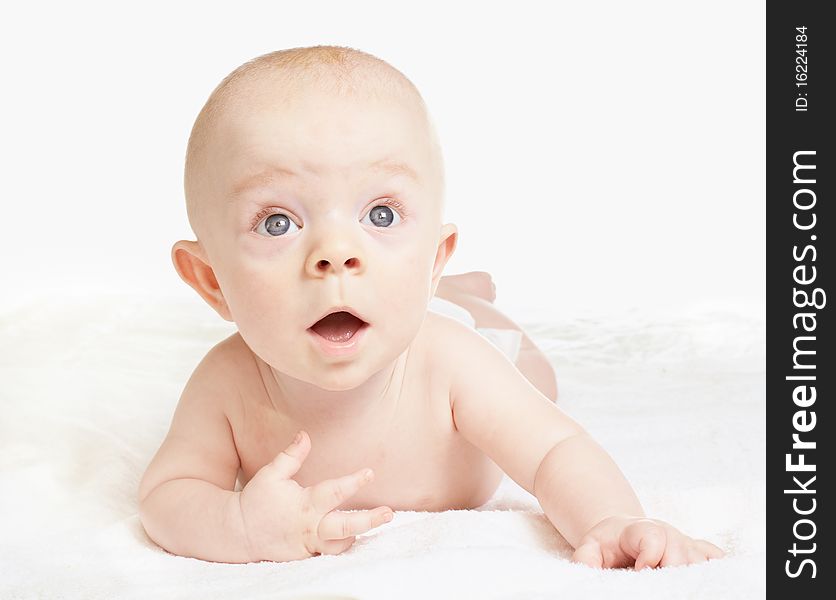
x=338 y=327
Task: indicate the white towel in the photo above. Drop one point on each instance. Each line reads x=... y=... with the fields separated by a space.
x=88 y=390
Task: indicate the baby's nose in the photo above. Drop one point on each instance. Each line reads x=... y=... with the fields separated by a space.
x=334 y=251
x=323 y=265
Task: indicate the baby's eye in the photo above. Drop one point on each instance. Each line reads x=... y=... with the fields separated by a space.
x=382 y=216
x=275 y=225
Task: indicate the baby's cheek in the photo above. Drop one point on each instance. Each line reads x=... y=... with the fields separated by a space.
x=246 y=298
x=270 y=338
x=263 y=306
x=411 y=302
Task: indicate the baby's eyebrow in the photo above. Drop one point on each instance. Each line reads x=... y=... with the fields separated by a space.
x=262 y=179
x=274 y=173
x=394 y=167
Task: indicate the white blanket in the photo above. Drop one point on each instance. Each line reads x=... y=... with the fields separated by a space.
x=88 y=386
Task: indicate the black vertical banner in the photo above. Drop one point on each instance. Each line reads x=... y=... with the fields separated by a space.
x=800 y=78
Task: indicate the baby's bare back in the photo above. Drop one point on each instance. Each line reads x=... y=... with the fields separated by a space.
x=420 y=460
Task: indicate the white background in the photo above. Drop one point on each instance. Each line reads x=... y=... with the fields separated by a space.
x=600 y=156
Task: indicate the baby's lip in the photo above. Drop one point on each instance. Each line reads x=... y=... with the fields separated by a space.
x=336 y=309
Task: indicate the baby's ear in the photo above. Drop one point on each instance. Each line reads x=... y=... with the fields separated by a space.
x=446 y=246
x=193 y=267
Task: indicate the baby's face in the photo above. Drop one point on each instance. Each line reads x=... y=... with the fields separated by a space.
x=316 y=202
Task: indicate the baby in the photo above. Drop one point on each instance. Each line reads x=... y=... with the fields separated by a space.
x=314 y=185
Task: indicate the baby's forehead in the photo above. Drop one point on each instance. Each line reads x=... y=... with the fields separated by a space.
x=304 y=100
x=317 y=108
x=307 y=125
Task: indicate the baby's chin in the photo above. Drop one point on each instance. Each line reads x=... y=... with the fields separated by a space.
x=331 y=375
x=340 y=377
x=340 y=383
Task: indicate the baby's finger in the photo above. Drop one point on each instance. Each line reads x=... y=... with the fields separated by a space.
x=675 y=554
x=710 y=550
x=589 y=554
x=335 y=546
x=645 y=541
x=337 y=525
x=290 y=460
x=695 y=555
x=329 y=494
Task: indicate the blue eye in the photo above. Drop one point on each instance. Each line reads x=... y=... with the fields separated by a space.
x=275 y=225
x=382 y=216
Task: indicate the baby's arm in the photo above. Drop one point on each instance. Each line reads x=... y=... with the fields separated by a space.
x=187 y=502
x=582 y=491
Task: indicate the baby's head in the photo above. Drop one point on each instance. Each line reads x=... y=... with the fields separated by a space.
x=313 y=181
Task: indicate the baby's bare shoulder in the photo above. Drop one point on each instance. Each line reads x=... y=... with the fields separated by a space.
x=457 y=349
x=232 y=352
x=224 y=367
x=445 y=343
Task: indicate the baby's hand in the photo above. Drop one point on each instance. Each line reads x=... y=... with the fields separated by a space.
x=623 y=541
x=284 y=521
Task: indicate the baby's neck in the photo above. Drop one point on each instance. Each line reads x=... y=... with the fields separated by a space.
x=311 y=406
